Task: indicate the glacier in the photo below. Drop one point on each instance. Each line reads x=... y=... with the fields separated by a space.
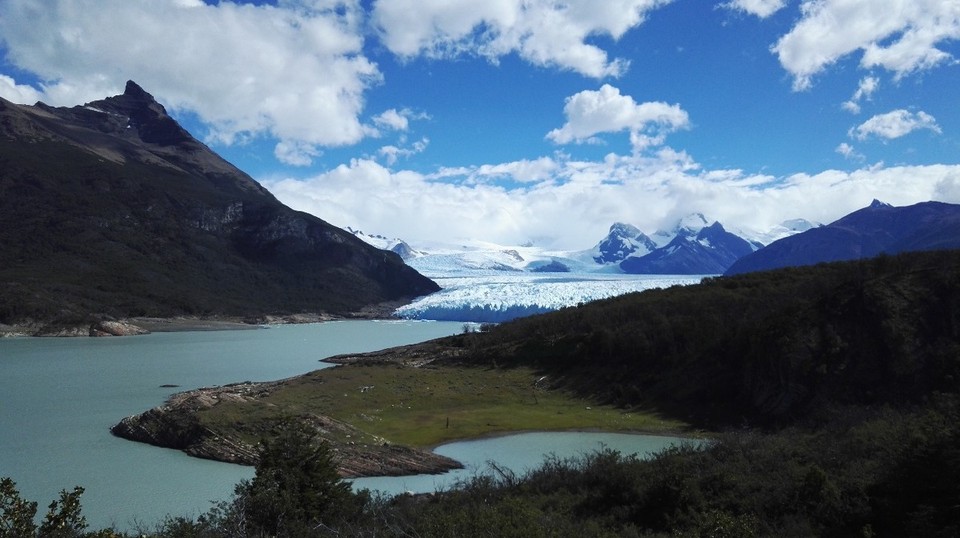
x=497 y=296
x=483 y=282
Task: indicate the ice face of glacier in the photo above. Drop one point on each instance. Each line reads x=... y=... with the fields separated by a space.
x=494 y=298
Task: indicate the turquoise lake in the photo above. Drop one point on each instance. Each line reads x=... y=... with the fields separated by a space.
x=59 y=397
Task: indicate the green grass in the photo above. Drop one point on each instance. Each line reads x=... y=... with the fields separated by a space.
x=430 y=405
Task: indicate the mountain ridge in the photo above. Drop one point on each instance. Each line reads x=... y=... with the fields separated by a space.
x=711 y=250
x=879 y=228
x=111 y=210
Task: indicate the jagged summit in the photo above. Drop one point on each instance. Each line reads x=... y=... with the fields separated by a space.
x=143 y=113
x=877 y=204
x=133 y=89
x=687 y=226
x=622 y=241
x=709 y=250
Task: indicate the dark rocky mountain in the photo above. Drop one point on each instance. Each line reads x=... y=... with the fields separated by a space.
x=622 y=241
x=711 y=250
x=112 y=209
x=555 y=266
x=868 y=232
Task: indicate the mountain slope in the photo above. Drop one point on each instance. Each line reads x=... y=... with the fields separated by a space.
x=622 y=241
x=112 y=209
x=878 y=228
x=711 y=250
x=759 y=347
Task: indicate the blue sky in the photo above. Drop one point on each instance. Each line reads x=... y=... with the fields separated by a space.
x=530 y=121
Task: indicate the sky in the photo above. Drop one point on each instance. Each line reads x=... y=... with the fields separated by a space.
x=530 y=121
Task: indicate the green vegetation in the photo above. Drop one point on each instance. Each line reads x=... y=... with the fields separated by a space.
x=836 y=387
x=426 y=406
x=763 y=349
x=62 y=520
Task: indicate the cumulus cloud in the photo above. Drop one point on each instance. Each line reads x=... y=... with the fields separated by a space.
x=850 y=152
x=901 y=36
x=295 y=71
x=894 y=125
x=543 y=32
x=17 y=93
x=606 y=110
x=868 y=85
x=393 y=153
x=522 y=171
x=760 y=8
x=566 y=203
x=295 y=153
x=392 y=119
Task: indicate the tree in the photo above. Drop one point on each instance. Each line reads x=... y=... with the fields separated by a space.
x=297 y=487
x=63 y=519
x=16 y=514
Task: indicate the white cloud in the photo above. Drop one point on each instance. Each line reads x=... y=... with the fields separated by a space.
x=850 y=152
x=760 y=8
x=523 y=171
x=295 y=153
x=894 y=125
x=570 y=204
x=590 y=113
x=393 y=153
x=897 y=35
x=17 y=93
x=392 y=119
x=543 y=32
x=295 y=71
x=868 y=85
x=948 y=188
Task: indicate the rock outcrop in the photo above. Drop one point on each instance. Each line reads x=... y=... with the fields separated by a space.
x=176 y=424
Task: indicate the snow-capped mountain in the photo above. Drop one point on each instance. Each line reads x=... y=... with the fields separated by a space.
x=784 y=229
x=437 y=261
x=688 y=225
x=711 y=250
x=384 y=243
x=487 y=282
x=622 y=241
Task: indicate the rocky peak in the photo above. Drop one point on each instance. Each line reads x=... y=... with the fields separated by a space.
x=623 y=240
x=621 y=229
x=144 y=114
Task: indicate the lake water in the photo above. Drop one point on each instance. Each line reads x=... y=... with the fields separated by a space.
x=58 y=398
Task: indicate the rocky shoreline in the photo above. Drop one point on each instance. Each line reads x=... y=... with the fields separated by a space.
x=175 y=424
x=145 y=325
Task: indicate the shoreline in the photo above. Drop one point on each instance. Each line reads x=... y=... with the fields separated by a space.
x=693 y=436
x=139 y=325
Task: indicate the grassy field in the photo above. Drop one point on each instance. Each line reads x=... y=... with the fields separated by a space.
x=430 y=405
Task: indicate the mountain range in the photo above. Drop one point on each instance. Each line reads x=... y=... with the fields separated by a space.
x=710 y=250
x=692 y=247
x=876 y=229
x=112 y=209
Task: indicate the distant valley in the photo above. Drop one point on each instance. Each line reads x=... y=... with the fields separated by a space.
x=485 y=282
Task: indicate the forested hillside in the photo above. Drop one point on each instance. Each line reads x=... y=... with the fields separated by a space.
x=765 y=348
